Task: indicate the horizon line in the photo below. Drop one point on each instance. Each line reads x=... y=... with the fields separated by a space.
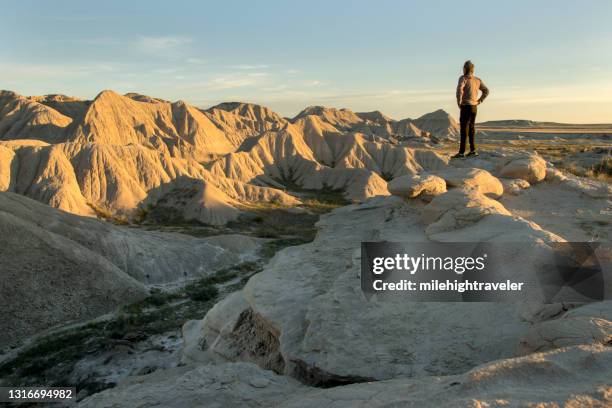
x=305 y=107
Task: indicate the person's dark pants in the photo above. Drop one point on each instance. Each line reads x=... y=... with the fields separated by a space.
x=467 y=121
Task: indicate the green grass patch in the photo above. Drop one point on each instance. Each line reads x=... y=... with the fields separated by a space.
x=202 y=294
x=51 y=359
x=270 y=248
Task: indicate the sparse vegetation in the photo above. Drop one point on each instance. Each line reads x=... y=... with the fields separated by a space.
x=203 y=293
x=601 y=171
x=51 y=359
x=108 y=215
x=263 y=220
x=593 y=161
x=166 y=215
x=269 y=221
x=141 y=213
x=270 y=248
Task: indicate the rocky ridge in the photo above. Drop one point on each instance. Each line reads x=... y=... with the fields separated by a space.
x=114 y=154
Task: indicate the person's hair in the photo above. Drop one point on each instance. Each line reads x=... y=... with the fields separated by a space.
x=468 y=67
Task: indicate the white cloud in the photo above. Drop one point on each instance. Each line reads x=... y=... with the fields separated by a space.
x=220 y=83
x=258 y=74
x=226 y=81
x=249 y=67
x=162 y=44
x=166 y=71
x=275 y=88
x=196 y=61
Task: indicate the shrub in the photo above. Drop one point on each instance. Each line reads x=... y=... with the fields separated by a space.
x=202 y=293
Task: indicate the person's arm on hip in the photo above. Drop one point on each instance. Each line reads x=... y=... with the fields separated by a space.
x=485 y=92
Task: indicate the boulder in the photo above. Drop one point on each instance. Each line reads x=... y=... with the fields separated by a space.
x=472 y=178
x=553 y=174
x=459 y=208
x=412 y=186
x=564 y=332
x=492 y=228
x=529 y=167
x=515 y=186
x=231 y=332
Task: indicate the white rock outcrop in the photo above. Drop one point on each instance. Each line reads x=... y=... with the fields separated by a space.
x=413 y=186
x=458 y=209
x=313 y=323
x=515 y=186
x=566 y=331
x=553 y=174
x=529 y=167
x=472 y=178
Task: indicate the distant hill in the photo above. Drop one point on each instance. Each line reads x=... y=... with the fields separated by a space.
x=123 y=155
x=524 y=123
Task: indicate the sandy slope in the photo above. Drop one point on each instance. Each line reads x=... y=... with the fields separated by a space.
x=56 y=266
x=117 y=153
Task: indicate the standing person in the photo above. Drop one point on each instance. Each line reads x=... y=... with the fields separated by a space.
x=468 y=101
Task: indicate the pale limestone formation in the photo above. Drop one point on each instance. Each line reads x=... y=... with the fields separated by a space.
x=413 y=186
x=529 y=167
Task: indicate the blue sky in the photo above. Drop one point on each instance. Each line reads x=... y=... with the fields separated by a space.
x=542 y=60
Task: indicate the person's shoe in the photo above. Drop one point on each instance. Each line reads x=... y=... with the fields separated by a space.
x=458 y=156
x=473 y=153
